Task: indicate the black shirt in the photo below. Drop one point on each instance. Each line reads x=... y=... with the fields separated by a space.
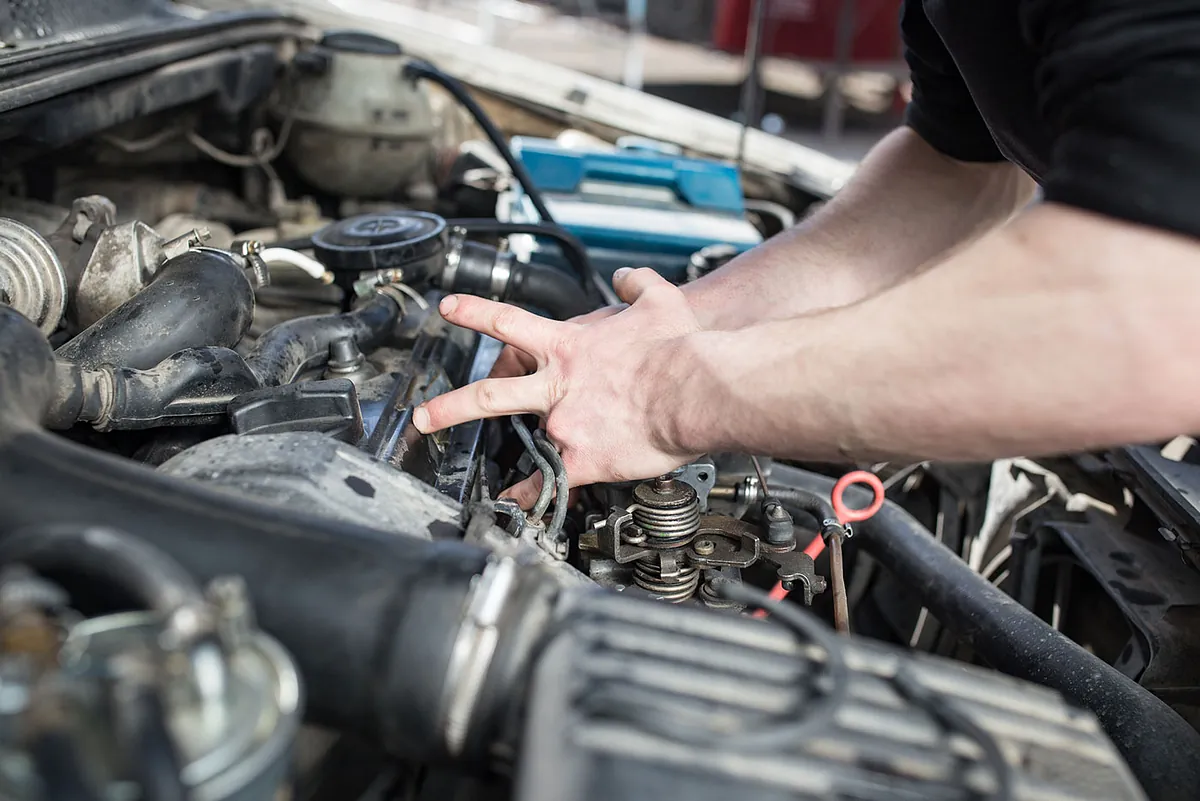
x=1098 y=100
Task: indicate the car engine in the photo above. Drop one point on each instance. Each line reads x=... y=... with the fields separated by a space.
x=231 y=567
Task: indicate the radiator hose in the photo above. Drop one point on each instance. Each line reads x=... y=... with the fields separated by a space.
x=1161 y=748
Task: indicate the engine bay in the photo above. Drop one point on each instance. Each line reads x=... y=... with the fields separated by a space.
x=231 y=567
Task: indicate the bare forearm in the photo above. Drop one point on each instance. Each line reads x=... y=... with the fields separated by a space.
x=1059 y=332
x=906 y=204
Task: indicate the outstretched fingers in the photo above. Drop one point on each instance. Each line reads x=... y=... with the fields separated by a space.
x=513 y=326
x=491 y=397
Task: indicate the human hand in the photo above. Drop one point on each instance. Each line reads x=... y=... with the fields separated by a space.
x=605 y=389
x=513 y=361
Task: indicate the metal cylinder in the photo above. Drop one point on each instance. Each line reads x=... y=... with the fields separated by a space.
x=32 y=280
x=234 y=746
x=668 y=511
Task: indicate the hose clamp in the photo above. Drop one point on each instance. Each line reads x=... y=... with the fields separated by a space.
x=501 y=274
x=458 y=238
x=474 y=647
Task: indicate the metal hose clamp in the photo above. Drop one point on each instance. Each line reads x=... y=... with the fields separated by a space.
x=474 y=647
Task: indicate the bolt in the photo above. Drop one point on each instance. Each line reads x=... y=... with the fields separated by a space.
x=705 y=547
x=235 y=618
x=664 y=484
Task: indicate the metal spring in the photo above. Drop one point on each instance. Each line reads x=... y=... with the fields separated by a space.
x=676 y=589
x=680 y=523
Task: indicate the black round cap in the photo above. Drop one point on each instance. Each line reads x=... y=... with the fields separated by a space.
x=414 y=241
x=351 y=41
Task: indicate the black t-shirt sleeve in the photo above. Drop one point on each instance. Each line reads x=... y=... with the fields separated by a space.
x=1119 y=84
x=942 y=110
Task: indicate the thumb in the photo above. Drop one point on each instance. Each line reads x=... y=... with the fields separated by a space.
x=526 y=492
x=631 y=284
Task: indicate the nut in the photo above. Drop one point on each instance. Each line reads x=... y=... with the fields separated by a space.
x=705 y=547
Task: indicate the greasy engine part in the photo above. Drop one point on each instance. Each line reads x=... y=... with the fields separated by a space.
x=635 y=700
x=406 y=668
x=198 y=299
x=191 y=388
x=669 y=544
x=408 y=246
x=188 y=699
x=440 y=360
x=378 y=672
x=666 y=517
x=107 y=264
x=361 y=129
x=1153 y=738
x=283 y=352
x=31 y=276
x=314 y=473
x=330 y=407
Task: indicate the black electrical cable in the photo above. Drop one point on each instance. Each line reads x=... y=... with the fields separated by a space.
x=121 y=561
x=953 y=720
x=419 y=69
x=800 y=720
x=543 y=501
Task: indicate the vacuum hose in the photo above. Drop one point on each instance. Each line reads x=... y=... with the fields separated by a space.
x=288 y=348
x=1160 y=747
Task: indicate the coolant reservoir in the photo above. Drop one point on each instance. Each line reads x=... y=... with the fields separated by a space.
x=360 y=128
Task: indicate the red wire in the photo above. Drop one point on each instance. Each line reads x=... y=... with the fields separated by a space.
x=845 y=515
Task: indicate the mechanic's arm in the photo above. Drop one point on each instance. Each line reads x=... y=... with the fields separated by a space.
x=1061 y=332
x=906 y=205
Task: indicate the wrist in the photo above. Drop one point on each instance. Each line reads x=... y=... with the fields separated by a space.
x=681 y=412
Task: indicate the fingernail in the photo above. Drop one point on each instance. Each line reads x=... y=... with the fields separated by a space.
x=447 y=305
x=621 y=273
x=421 y=419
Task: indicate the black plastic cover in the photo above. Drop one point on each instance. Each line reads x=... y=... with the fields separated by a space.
x=412 y=241
x=329 y=407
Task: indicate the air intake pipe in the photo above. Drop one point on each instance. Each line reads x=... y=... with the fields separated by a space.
x=200 y=298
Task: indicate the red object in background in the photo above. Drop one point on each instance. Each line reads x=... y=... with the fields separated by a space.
x=807 y=29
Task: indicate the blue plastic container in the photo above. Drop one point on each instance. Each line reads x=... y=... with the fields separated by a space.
x=641 y=205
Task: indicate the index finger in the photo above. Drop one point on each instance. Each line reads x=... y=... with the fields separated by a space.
x=512 y=326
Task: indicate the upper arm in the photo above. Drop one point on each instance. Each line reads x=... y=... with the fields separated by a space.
x=942 y=110
x=1119 y=83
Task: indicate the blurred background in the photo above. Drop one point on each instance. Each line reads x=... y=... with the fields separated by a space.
x=825 y=73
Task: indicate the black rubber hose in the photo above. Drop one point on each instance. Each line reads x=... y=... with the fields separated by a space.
x=548 y=289
x=804 y=500
x=200 y=298
x=574 y=251
x=419 y=69
x=1161 y=748
x=191 y=388
x=104 y=554
x=544 y=287
x=287 y=349
x=154 y=757
x=371 y=617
